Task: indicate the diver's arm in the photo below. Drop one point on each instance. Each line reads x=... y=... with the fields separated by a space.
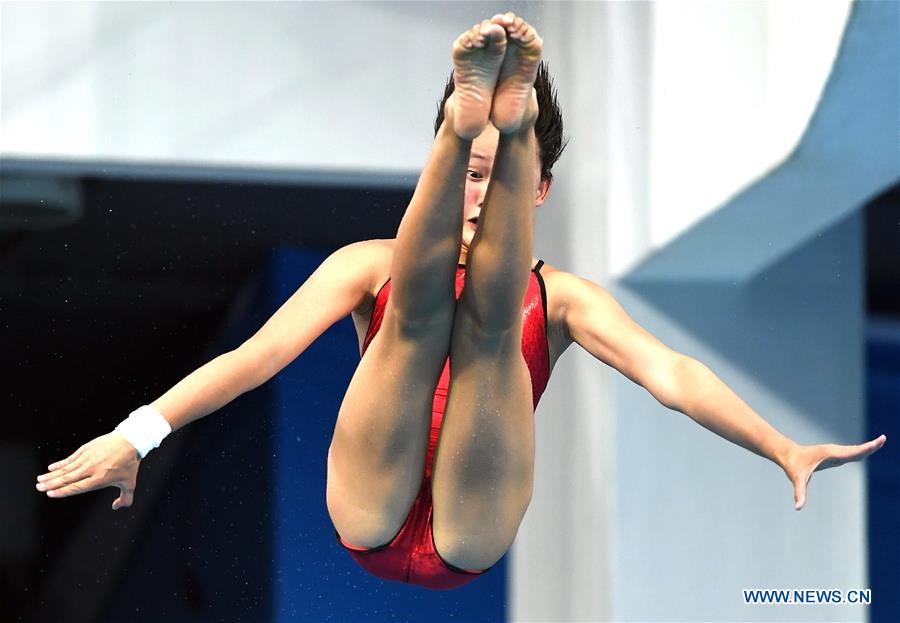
x=593 y=319
x=711 y=403
x=337 y=287
x=596 y=321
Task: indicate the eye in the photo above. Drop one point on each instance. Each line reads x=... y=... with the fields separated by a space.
x=475 y=174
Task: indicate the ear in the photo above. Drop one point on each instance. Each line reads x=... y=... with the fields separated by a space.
x=543 y=190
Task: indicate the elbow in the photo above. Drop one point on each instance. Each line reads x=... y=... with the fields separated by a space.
x=674 y=389
x=256 y=365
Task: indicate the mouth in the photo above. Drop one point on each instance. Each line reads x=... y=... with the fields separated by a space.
x=474 y=220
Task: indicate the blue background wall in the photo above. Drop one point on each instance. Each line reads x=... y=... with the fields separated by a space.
x=883 y=475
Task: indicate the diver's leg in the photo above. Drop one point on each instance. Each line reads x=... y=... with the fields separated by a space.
x=377 y=455
x=484 y=462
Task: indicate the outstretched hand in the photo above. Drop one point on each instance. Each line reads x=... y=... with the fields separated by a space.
x=802 y=461
x=108 y=460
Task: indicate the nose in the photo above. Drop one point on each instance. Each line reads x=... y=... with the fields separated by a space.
x=479 y=200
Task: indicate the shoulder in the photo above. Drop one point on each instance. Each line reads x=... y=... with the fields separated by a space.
x=381 y=254
x=555 y=289
x=373 y=248
x=565 y=291
x=366 y=256
x=565 y=287
x=367 y=262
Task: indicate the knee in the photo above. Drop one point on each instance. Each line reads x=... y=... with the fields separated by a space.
x=428 y=323
x=490 y=329
x=478 y=545
x=367 y=528
x=366 y=518
x=472 y=552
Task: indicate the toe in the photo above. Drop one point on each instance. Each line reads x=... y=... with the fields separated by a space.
x=517 y=23
x=503 y=19
x=493 y=33
x=529 y=36
x=478 y=38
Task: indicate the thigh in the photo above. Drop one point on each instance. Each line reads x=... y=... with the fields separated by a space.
x=484 y=462
x=377 y=455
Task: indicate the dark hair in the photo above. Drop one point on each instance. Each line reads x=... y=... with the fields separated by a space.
x=549 y=125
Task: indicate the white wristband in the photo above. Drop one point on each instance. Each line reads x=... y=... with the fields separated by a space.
x=145 y=428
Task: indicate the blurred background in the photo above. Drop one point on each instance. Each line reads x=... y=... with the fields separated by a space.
x=171 y=172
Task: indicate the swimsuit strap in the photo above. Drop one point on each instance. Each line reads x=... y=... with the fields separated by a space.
x=537 y=267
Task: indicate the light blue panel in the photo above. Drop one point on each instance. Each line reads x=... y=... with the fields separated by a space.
x=847 y=155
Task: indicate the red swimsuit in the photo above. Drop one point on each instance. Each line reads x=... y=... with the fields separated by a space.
x=411 y=556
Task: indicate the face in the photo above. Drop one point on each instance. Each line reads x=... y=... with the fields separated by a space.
x=478 y=176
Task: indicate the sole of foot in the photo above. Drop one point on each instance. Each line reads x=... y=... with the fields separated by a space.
x=515 y=100
x=478 y=55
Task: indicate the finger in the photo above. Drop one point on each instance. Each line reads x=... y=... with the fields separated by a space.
x=875 y=444
x=69 y=476
x=125 y=499
x=83 y=485
x=868 y=448
x=800 y=492
x=46 y=481
x=67 y=460
x=61 y=471
x=838 y=455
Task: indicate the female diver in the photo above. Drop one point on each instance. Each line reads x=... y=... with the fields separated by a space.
x=431 y=464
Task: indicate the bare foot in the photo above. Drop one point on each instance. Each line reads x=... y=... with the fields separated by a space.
x=515 y=100
x=477 y=56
